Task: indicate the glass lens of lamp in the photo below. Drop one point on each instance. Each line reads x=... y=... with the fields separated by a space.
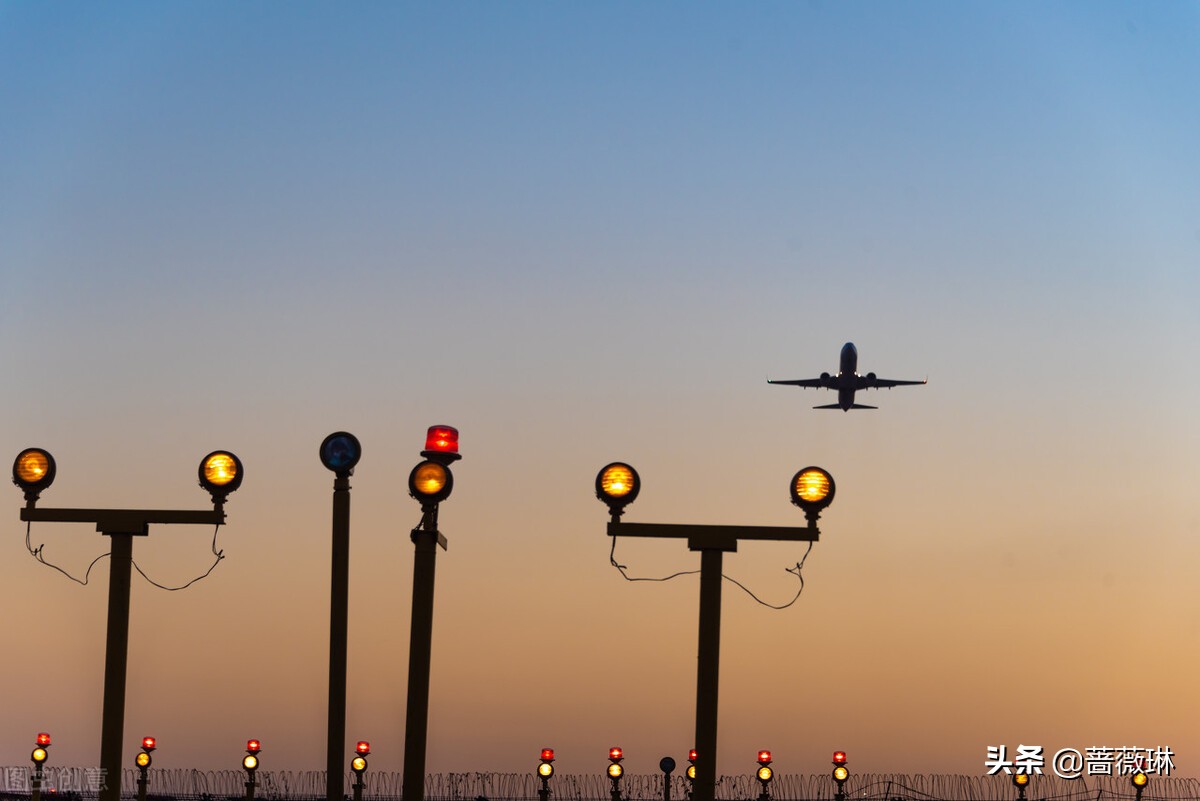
x=764 y=756
x=430 y=478
x=548 y=754
x=617 y=481
x=39 y=755
x=1140 y=779
x=142 y=760
x=839 y=757
x=545 y=770
x=254 y=746
x=220 y=469
x=358 y=764
x=43 y=739
x=691 y=772
x=340 y=451
x=840 y=773
x=32 y=466
x=765 y=774
x=363 y=747
x=148 y=742
x=615 y=771
x=250 y=762
x=812 y=486
x=1021 y=779
x=443 y=439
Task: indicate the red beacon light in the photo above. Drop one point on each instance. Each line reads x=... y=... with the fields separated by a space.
x=692 y=755
x=764 y=757
x=616 y=754
x=253 y=746
x=547 y=754
x=441 y=444
x=149 y=744
x=43 y=739
x=839 y=757
x=363 y=748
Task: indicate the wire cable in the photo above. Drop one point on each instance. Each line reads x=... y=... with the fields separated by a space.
x=36 y=553
x=612 y=558
x=219 y=554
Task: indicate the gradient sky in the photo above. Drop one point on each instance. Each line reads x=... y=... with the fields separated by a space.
x=583 y=232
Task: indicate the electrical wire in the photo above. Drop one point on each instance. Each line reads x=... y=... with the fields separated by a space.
x=612 y=558
x=36 y=553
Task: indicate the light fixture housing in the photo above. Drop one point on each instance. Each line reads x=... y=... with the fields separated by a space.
x=545 y=770
x=618 y=485
x=143 y=759
x=39 y=755
x=34 y=470
x=358 y=764
x=441 y=445
x=547 y=755
x=765 y=774
x=615 y=770
x=812 y=489
x=1139 y=779
x=362 y=748
x=1020 y=779
x=250 y=762
x=430 y=482
x=764 y=757
x=43 y=739
x=253 y=746
x=340 y=452
x=149 y=744
x=840 y=774
x=220 y=474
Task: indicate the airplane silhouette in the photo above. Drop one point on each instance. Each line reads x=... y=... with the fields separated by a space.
x=847 y=382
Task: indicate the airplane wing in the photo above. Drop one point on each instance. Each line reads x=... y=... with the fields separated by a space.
x=869 y=381
x=807 y=383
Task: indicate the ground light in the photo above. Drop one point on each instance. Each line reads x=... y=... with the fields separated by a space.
x=545 y=770
x=34 y=470
x=840 y=774
x=358 y=764
x=430 y=483
x=143 y=761
x=1139 y=780
x=1020 y=780
x=618 y=485
x=250 y=765
x=615 y=771
x=764 y=775
x=38 y=757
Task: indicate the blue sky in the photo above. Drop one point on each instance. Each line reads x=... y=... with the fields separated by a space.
x=585 y=232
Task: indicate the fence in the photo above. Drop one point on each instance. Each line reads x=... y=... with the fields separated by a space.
x=220 y=785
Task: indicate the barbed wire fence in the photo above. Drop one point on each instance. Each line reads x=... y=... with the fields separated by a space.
x=225 y=785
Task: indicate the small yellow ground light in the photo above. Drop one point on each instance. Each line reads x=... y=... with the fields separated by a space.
x=32 y=466
x=617 y=484
x=545 y=770
x=812 y=485
x=142 y=760
x=220 y=469
x=358 y=764
x=250 y=762
x=615 y=771
x=1021 y=779
x=765 y=774
x=1140 y=779
x=429 y=478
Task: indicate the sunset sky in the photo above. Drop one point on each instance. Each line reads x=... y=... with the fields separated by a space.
x=583 y=232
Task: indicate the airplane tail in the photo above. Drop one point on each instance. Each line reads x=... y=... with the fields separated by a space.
x=852 y=406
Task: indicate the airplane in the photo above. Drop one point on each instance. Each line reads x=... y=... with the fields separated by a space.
x=847 y=382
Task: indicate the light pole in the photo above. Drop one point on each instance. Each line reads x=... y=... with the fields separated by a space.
x=617 y=485
x=250 y=765
x=33 y=471
x=764 y=775
x=358 y=764
x=545 y=770
x=430 y=482
x=339 y=452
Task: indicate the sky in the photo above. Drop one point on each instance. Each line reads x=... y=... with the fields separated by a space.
x=587 y=232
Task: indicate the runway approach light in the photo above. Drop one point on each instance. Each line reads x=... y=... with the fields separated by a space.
x=1139 y=780
x=40 y=754
x=691 y=768
x=33 y=471
x=812 y=490
x=220 y=473
x=615 y=769
x=430 y=483
x=840 y=773
x=764 y=775
x=340 y=452
x=250 y=761
x=617 y=484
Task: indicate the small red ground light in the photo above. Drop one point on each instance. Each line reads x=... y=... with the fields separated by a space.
x=253 y=746
x=43 y=739
x=615 y=753
x=839 y=757
x=363 y=747
x=764 y=757
x=149 y=743
x=548 y=754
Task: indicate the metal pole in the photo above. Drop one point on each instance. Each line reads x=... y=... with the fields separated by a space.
x=338 y=616
x=115 y=661
x=37 y=784
x=250 y=788
x=143 y=783
x=419 y=647
x=708 y=663
x=358 y=788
